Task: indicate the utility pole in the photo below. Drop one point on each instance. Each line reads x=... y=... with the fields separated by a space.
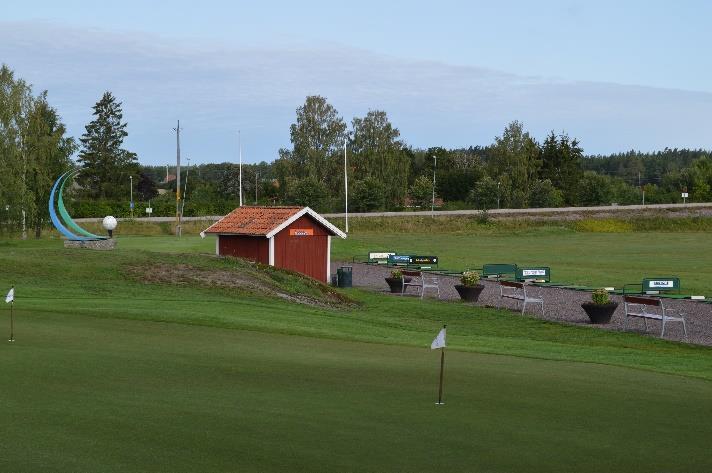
x=432 y=205
x=178 y=207
x=346 y=190
x=185 y=189
x=239 y=140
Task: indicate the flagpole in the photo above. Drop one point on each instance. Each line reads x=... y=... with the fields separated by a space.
x=442 y=366
x=12 y=318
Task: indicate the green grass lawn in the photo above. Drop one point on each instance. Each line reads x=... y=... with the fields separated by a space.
x=112 y=374
x=603 y=259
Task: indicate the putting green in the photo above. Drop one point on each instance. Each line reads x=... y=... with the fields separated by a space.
x=88 y=394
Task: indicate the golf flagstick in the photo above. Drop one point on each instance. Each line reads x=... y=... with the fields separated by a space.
x=10 y=298
x=439 y=342
x=12 y=323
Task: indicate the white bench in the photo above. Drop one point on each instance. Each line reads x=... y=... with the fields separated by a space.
x=648 y=308
x=518 y=292
x=421 y=280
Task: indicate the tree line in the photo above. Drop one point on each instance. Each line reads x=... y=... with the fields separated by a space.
x=384 y=172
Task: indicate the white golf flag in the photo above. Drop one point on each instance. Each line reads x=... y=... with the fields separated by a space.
x=202 y=234
x=439 y=341
x=10 y=296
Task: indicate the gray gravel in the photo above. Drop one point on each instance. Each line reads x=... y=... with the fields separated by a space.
x=560 y=305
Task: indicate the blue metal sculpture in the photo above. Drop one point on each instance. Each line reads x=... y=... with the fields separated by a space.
x=85 y=235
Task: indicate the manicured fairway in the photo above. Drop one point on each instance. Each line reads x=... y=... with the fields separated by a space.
x=604 y=259
x=111 y=372
x=87 y=394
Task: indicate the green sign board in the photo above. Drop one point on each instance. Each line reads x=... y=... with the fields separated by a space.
x=498 y=269
x=663 y=284
x=533 y=273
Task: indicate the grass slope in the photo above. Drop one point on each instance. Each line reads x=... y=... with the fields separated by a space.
x=113 y=374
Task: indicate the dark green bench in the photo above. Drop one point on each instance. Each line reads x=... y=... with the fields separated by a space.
x=666 y=285
x=499 y=270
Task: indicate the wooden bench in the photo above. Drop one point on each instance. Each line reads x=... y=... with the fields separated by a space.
x=418 y=279
x=649 y=308
x=518 y=292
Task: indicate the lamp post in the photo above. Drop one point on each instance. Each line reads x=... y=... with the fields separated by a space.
x=432 y=205
x=498 y=183
x=131 y=203
x=346 y=191
x=239 y=140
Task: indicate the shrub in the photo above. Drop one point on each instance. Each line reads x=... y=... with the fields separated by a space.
x=396 y=274
x=470 y=278
x=603 y=226
x=600 y=297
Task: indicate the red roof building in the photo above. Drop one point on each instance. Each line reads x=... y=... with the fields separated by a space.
x=295 y=238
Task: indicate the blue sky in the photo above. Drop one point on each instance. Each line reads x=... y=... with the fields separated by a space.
x=616 y=75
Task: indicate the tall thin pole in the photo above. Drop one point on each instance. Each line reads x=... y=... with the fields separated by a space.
x=131 y=204
x=442 y=369
x=239 y=139
x=257 y=174
x=185 y=189
x=432 y=205
x=178 y=207
x=12 y=318
x=346 y=190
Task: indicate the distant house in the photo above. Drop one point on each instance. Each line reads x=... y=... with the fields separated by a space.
x=295 y=238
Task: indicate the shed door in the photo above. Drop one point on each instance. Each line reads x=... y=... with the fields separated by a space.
x=306 y=255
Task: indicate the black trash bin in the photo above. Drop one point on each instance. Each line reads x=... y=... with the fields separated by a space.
x=344 y=276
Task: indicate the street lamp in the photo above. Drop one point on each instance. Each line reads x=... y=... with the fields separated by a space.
x=432 y=205
x=346 y=191
x=131 y=204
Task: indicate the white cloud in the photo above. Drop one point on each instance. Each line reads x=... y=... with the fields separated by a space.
x=215 y=90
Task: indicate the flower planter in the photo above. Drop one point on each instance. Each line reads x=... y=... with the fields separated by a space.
x=469 y=293
x=599 y=313
x=396 y=284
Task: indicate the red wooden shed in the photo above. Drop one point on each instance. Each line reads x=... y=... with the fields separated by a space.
x=295 y=238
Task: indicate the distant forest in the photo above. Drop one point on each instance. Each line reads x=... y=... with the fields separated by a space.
x=464 y=180
x=516 y=170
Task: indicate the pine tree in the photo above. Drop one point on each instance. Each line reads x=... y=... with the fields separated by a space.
x=106 y=166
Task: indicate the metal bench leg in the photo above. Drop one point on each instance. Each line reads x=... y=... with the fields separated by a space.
x=684 y=328
x=422 y=292
x=524 y=306
x=542 y=308
x=645 y=321
x=662 y=333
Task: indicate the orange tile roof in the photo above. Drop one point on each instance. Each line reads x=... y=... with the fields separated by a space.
x=252 y=220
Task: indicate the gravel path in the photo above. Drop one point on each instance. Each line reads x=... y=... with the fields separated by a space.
x=560 y=305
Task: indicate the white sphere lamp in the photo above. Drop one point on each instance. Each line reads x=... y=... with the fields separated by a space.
x=109 y=224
